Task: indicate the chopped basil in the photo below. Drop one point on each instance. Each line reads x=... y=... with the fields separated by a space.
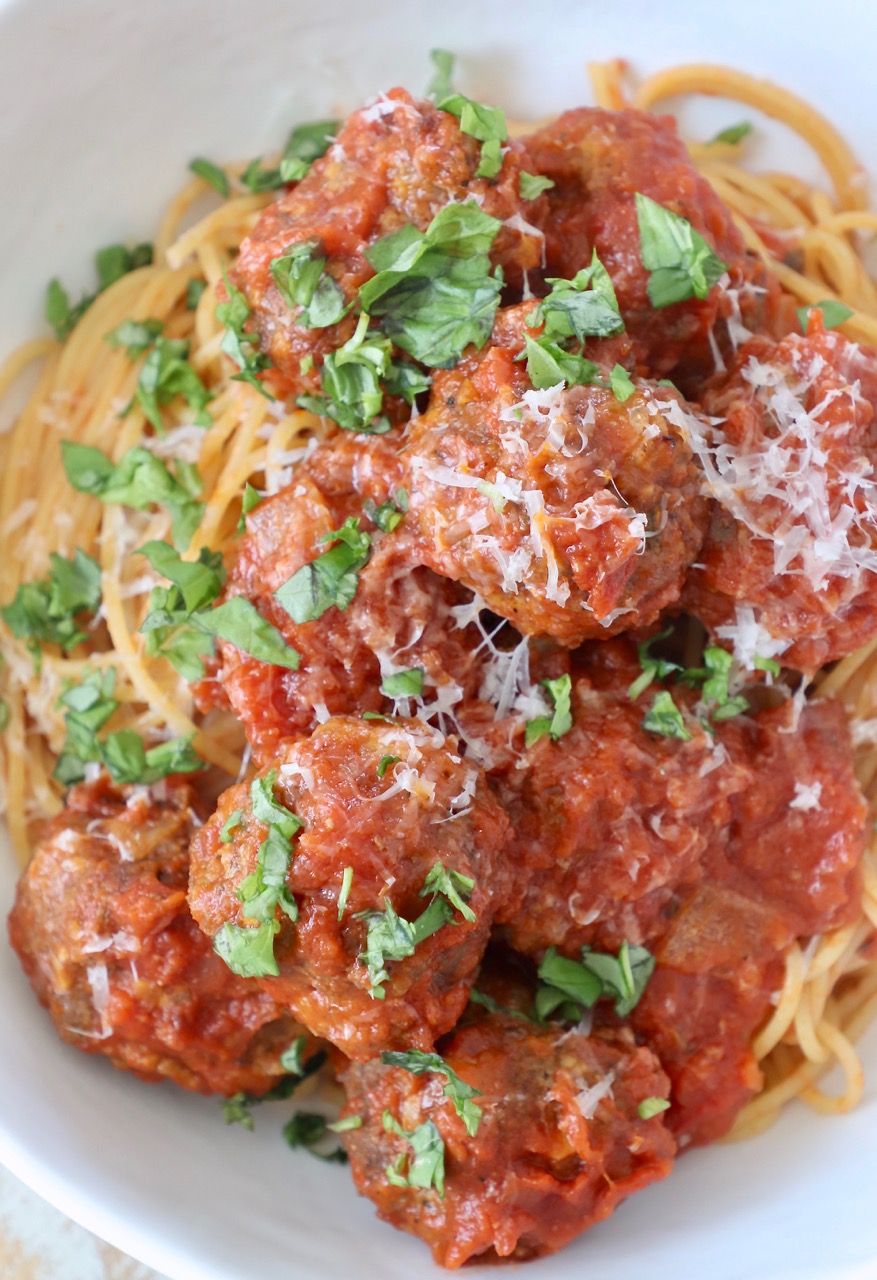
x=212 y=174
x=248 y=951
x=302 y=280
x=351 y=381
x=166 y=373
x=440 y=86
x=87 y=708
x=257 y=179
x=239 y=345
x=198 y=582
x=487 y=124
x=424 y=1166
x=194 y=291
x=292 y=1059
x=597 y=976
x=239 y=622
x=136 y=336
x=346 y=1125
x=834 y=313
x=766 y=664
x=231 y=824
x=306 y=143
x=584 y=307
x=238 y=1108
x=460 y=1093
x=435 y=291
x=732 y=135
x=389 y=514
x=385 y=763
x=532 y=185
x=652 y=667
x=713 y=679
x=621 y=383
x=307 y=1129
x=665 y=718
x=404 y=684
x=650 y=1107
x=249 y=501
x=452 y=885
x=331 y=579
x=112 y=263
x=52 y=610
x=346 y=883
x=681 y=264
x=549 y=364
x=139 y=480
x=487 y=1002
x=389 y=937
x=560 y=721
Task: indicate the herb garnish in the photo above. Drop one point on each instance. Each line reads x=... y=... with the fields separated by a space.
x=302 y=280
x=560 y=721
x=459 y=1092
x=211 y=174
x=424 y=1167
x=834 y=313
x=331 y=579
x=112 y=263
x=597 y=976
x=404 y=684
x=53 y=610
x=681 y=264
x=237 y=343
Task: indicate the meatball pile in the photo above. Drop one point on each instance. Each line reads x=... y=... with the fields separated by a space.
x=531 y=826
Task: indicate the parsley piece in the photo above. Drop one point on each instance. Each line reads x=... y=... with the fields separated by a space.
x=194 y=291
x=238 y=1108
x=239 y=345
x=346 y=882
x=166 y=373
x=292 y=1059
x=52 y=610
x=198 y=582
x=650 y=1107
x=139 y=480
x=302 y=280
x=766 y=664
x=584 y=307
x=331 y=579
x=597 y=976
x=440 y=86
x=257 y=179
x=239 y=622
x=307 y=1129
x=306 y=143
x=250 y=499
x=389 y=514
x=681 y=264
x=351 y=381
x=732 y=135
x=531 y=185
x=652 y=667
x=404 y=684
x=665 y=718
x=212 y=174
x=549 y=364
x=248 y=951
x=136 y=336
x=452 y=885
x=834 y=313
x=435 y=291
x=385 y=763
x=424 y=1166
x=487 y=1002
x=621 y=383
x=487 y=124
x=560 y=721
x=231 y=824
x=111 y=263
x=714 y=678
x=460 y=1093
x=389 y=937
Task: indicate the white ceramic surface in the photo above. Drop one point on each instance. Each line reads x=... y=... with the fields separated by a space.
x=102 y=103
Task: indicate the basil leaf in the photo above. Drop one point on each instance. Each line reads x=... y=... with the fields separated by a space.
x=194 y=290
x=116 y=261
x=651 y=1107
x=621 y=383
x=248 y=952
x=351 y=379
x=439 y=86
x=239 y=345
x=834 y=313
x=584 y=307
x=733 y=134
x=681 y=264
x=301 y=278
x=199 y=581
x=560 y=722
x=306 y=143
x=385 y=763
x=425 y=1166
x=231 y=824
x=111 y=263
x=239 y=622
x=139 y=480
x=250 y=499
x=389 y=937
x=766 y=664
x=346 y=882
x=491 y=159
x=404 y=684
x=624 y=977
x=331 y=579
x=487 y=124
x=307 y=1129
x=570 y=978
x=212 y=174
x=548 y=365
x=531 y=185
x=460 y=1093
x=389 y=515
x=166 y=374
x=665 y=718
x=136 y=336
x=257 y=179
x=452 y=885
x=651 y=667
x=46 y=611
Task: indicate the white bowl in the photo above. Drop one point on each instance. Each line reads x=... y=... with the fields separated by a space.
x=102 y=104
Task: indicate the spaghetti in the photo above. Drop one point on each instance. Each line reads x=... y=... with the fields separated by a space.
x=811 y=240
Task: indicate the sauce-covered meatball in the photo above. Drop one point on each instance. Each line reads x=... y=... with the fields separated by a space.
x=102 y=929
x=789 y=566
x=558 y=1144
x=599 y=160
x=571 y=513
x=370 y=920
x=396 y=163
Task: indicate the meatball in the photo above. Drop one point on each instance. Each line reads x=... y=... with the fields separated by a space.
x=598 y=161
x=790 y=560
x=103 y=932
x=559 y=1143
x=395 y=163
x=399 y=618
x=388 y=891
x=570 y=513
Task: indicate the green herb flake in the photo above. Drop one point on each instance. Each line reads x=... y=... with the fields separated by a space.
x=452 y=885
x=652 y=667
x=329 y=581
x=766 y=664
x=307 y=1129
x=306 y=143
x=665 y=718
x=136 y=336
x=350 y=378
x=389 y=937
x=250 y=499
x=681 y=264
x=584 y=307
x=732 y=135
x=532 y=185
x=389 y=515
x=834 y=313
x=231 y=824
x=55 y=610
x=385 y=763
x=622 y=978
x=238 y=344
x=347 y=1125
x=346 y=884
x=440 y=86
x=211 y=174
x=424 y=1165
x=560 y=721
x=111 y=263
x=404 y=684
x=292 y=1059
x=621 y=383
x=651 y=1107
x=548 y=364
x=166 y=374
x=302 y=281
x=459 y=1092
x=194 y=292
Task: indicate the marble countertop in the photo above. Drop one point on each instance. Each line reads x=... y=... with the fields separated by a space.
x=39 y=1243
